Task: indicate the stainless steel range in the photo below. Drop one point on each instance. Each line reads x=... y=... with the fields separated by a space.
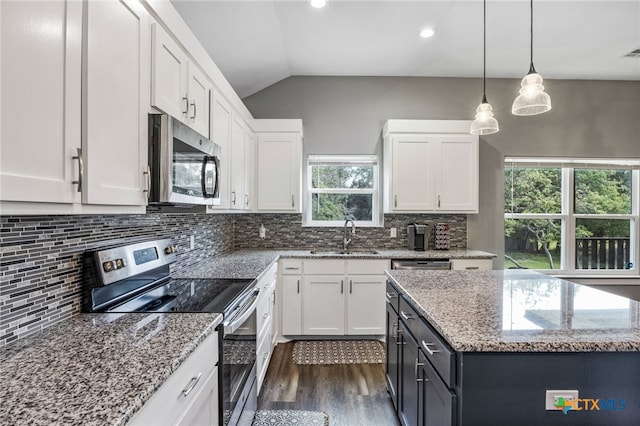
x=136 y=278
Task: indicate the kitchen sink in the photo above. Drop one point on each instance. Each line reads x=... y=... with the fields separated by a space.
x=344 y=252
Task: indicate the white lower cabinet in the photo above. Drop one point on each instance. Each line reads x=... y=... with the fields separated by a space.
x=264 y=322
x=333 y=297
x=190 y=394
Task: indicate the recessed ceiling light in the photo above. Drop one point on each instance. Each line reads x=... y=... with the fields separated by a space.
x=318 y=3
x=427 y=32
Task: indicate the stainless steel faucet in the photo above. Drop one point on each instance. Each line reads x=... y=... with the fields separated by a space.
x=346 y=239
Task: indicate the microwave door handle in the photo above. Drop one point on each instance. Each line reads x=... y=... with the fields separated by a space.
x=216 y=177
x=203 y=176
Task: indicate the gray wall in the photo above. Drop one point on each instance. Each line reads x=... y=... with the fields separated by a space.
x=345 y=115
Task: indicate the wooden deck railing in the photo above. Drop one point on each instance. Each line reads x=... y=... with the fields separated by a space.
x=602 y=253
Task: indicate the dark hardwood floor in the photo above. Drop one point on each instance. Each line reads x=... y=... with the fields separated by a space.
x=350 y=394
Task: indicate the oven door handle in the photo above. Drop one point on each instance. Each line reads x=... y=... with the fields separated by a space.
x=238 y=319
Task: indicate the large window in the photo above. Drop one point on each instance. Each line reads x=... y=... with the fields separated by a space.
x=340 y=186
x=572 y=215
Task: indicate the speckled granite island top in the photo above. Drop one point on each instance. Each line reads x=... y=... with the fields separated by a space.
x=520 y=311
x=95 y=369
x=243 y=264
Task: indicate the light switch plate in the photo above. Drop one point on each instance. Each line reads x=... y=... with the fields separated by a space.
x=192 y=242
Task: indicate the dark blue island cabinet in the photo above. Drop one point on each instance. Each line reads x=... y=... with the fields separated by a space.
x=432 y=384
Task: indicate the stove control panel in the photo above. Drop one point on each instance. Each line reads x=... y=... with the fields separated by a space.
x=118 y=263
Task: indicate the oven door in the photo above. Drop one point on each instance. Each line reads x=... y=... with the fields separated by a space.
x=239 y=364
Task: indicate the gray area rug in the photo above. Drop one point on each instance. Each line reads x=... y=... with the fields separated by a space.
x=290 y=417
x=311 y=352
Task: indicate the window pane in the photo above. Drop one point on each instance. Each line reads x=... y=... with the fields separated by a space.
x=342 y=176
x=336 y=206
x=602 y=191
x=532 y=244
x=603 y=244
x=532 y=190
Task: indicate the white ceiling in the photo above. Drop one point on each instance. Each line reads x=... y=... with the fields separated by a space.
x=258 y=43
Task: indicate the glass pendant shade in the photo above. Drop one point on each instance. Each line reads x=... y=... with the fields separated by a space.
x=532 y=99
x=484 y=124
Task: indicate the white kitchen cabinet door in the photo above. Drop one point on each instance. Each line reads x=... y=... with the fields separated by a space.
x=199 y=100
x=249 y=169
x=41 y=92
x=221 y=135
x=457 y=179
x=412 y=181
x=237 y=164
x=204 y=409
x=116 y=87
x=366 y=305
x=279 y=171
x=323 y=306
x=291 y=305
x=168 y=74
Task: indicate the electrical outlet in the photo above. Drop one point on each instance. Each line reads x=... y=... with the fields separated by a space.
x=193 y=288
x=556 y=399
x=262 y=231
x=393 y=232
x=192 y=242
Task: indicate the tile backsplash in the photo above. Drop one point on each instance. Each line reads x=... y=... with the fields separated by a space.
x=40 y=256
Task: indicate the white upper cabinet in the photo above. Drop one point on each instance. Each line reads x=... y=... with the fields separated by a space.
x=430 y=166
x=221 y=134
x=279 y=171
x=236 y=193
x=81 y=71
x=40 y=124
x=179 y=88
x=116 y=78
x=249 y=169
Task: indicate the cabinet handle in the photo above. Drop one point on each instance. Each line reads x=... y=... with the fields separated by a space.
x=391 y=296
x=341 y=286
x=406 y=316
x=400 y=341
x=78 y=157
x=469 y=268
x=394 y=331
x=192 y=384
x=395 y=201
x=186 y=104
x=246 y=200
x=291 y=268
x=350 y=286
x=233 y=197
x=426 y=347
x=147 y=174
x=195 y=111
x=264 y=357
x=418 y=364
x=438 y=201
x=293 y=202
x=298 y=286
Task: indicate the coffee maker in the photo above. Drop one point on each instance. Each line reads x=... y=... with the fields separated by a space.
x=417 y=236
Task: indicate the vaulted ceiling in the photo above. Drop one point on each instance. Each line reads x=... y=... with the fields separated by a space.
x=258 y=43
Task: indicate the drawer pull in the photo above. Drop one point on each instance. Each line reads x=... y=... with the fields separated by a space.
x=406 y=316
x=472 y=267
x=426 y=347
x=418 y=364
x=192 y=384
x=291 y=268
x=391 y=296
x=266 y=315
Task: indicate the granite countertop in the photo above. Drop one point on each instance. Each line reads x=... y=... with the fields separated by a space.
x=249 y=264
x=520 y=311
x=95 y=369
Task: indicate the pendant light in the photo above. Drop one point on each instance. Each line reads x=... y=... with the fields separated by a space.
x=532 y=99
x=484 y=124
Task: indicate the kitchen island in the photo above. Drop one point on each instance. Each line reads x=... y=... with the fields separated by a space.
x=483 y=347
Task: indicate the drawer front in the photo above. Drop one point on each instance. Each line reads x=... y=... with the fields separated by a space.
x=169 y=402
x=263 y=315
x=434 y=347
x=324 y=267
x=263 y=355
x=290 y=266
x=393 y=296
x=471 y=264
x=268 y=278
x=367 y=266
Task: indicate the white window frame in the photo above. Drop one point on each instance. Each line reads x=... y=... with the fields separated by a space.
x=337 y=160
x=568 y=218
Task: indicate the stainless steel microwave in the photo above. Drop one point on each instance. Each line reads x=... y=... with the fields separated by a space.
x=184 y=164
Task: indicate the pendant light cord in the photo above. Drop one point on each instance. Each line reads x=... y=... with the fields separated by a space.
x=531 y=50
x=484 y=58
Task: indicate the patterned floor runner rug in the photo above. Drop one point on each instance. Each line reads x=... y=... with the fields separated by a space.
x=290 y=417
x=311 y=352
